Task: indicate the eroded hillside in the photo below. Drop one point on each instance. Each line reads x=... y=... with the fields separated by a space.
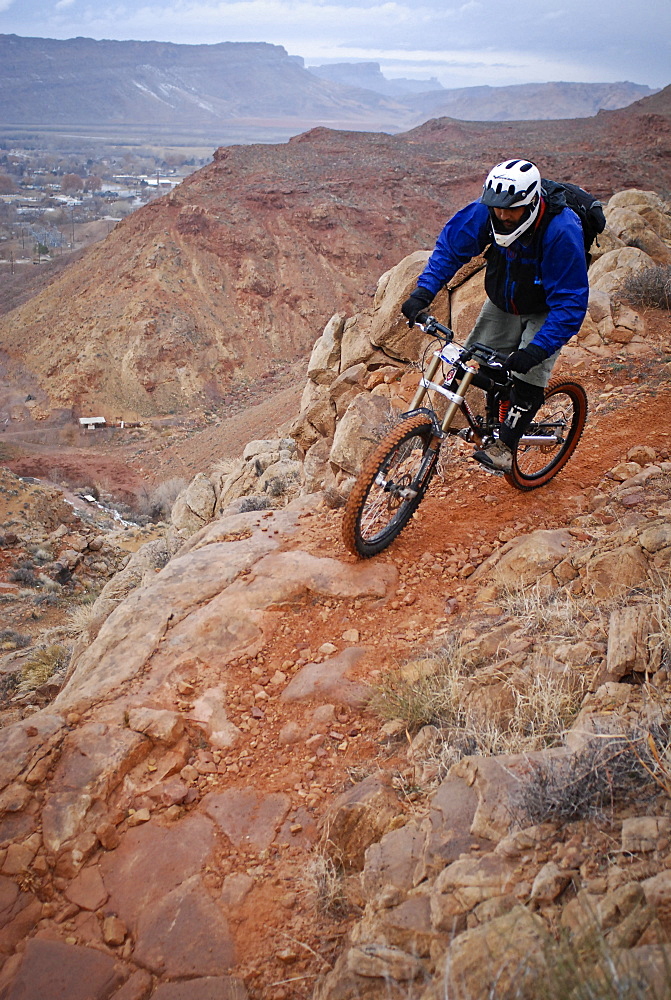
x=242 y=265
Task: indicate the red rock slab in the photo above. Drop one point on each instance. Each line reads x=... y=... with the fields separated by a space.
x=52 y=970
x=249 y=818
x=151 y=861
x=328 y=681
x=208 y=988
x=19 y=741
x=88 y=890
x=185 y=934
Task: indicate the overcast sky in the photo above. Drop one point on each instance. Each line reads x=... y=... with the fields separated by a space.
x=469 y=44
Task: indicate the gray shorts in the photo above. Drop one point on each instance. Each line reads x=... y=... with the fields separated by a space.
x=505 y=332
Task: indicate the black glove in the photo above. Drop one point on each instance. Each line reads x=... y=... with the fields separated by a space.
x=418 y=302
x=528 y=357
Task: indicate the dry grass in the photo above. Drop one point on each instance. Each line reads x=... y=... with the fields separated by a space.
x=79 y=618
x=323 y=880
x=41 y=666
x=543 y=708
x=661 y=639
x=557 y=614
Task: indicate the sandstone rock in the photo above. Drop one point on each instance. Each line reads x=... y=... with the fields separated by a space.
x=632 y=229
x=184 y=934
x=94 y=760
x=20 y=741
x=159 y=725
x=389 y=329
x=550 y=883
x=466 y=303
x=624 y=470
x=643 y=833
x=236 y=888
x=393 y=859
x=609 y=574
x=114 y=931
x=497 y=957
x=523 y=561
x=629 y=642
x=318 y=409
x=87 y=890
x=358 y=818
x=388 y=963
x=356 y=348
x=173 y=854
x=194 y=506
x=599 y=306
x=466 y=883
x=609 y=271
x=364 y=423
x=324 y=363
x=315 y=466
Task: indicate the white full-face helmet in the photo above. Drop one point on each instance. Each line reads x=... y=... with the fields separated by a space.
x=512 y=184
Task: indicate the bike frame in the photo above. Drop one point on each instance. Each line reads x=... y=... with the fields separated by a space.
x=459 y=356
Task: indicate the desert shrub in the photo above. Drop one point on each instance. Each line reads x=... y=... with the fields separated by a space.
x=651 y=286
x=11 y=639
x=8 y=686
x=157 y=504
x=608 y=770
x=24 y=574
x=163 y=497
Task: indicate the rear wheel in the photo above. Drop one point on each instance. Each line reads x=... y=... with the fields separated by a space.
x=390 y=486
x=560 y=420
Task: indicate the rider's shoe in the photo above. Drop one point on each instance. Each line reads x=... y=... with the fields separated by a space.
x=496 y=455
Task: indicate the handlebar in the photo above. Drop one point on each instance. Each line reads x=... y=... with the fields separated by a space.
x=487 y=355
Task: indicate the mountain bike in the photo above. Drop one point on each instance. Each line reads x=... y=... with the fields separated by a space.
x=396 y=476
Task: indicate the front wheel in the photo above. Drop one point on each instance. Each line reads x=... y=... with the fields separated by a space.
x=390 y=486
x=552 y=438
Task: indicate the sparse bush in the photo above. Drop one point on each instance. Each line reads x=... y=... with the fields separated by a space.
x=25 y=575
x=10 y=639
x=608 y=770
x=651 y=286
x=8 y=686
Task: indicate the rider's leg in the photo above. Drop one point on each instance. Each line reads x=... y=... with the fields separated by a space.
x=505 y=332
x=525 y=401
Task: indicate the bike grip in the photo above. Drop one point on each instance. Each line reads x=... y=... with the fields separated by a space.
x=422 y=317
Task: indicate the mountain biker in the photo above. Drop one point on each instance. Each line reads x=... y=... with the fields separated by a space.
x=535 y=280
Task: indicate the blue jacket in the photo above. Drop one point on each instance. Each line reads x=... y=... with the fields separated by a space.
x=544 y=269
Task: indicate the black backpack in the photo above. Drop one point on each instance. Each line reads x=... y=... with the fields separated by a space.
x=588 y=208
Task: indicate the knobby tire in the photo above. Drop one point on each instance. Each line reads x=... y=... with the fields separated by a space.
x=575 y=398
x=374 y=518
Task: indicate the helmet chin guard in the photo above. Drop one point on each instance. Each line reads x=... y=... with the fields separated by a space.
x=512 y=184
